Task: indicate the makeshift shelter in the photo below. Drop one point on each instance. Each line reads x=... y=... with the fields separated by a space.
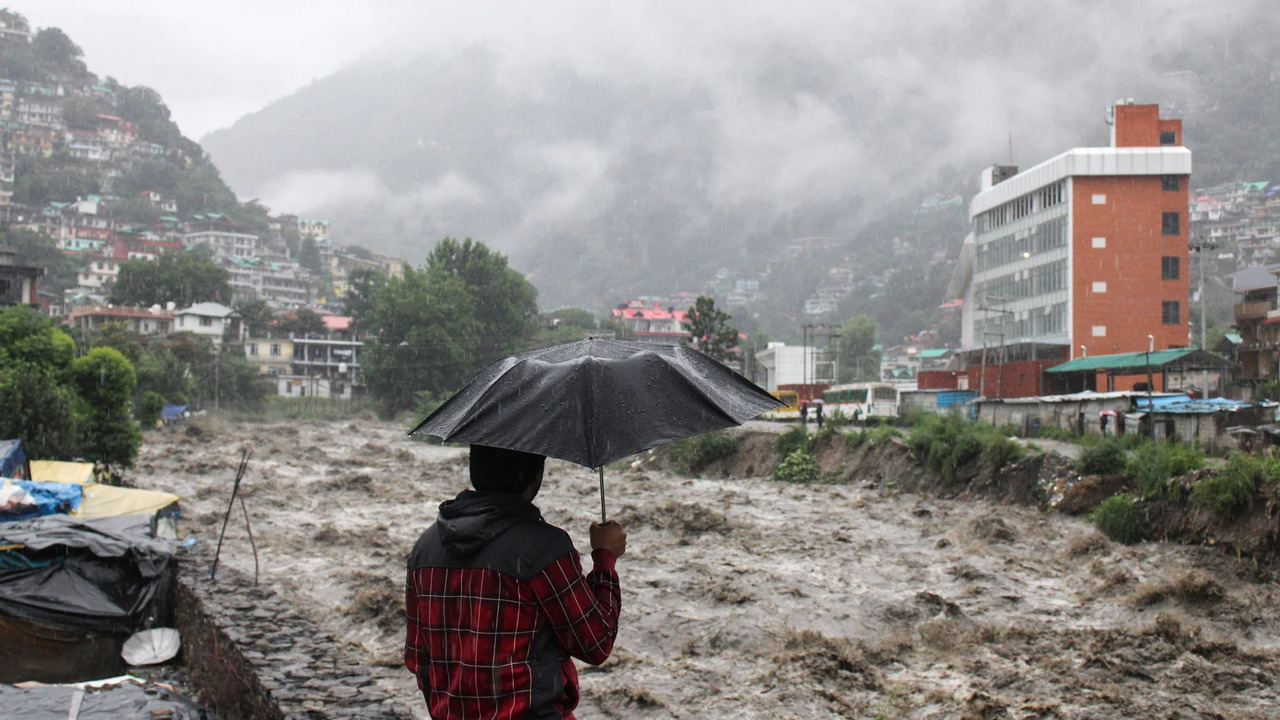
x=60 y=471
x=98 y=500
x=173 y=412
x=13 y=460
x=121 y=698
x=75 y=591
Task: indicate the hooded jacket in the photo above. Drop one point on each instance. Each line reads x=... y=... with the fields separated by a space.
x=497 y=603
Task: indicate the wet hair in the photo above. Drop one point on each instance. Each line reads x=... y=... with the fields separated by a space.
x=504 y=471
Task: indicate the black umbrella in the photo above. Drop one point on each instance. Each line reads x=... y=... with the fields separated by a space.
x=596 y=401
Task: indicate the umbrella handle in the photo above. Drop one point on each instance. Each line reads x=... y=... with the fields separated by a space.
x=603 y=518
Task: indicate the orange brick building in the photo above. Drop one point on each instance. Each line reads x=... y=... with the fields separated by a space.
x=1085 y=253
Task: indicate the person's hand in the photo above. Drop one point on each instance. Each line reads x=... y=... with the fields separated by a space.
x=609 y=536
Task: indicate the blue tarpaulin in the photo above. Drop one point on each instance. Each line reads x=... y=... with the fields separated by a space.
x=13 y=460
x=51 y=498
x=171 y=411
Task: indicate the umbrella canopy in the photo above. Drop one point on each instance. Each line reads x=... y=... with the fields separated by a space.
x=596 y=401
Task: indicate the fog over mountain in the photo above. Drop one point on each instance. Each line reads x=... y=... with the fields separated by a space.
x=625 y=150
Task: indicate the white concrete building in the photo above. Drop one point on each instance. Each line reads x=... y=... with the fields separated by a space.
x=787 y=365
x=217 y=322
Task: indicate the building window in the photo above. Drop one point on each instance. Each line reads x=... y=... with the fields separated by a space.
x=253 y=349
x=275 y=349
x=1171 y=223
x=1171 y=312
x=1168 y=137
x=1099 y=199
x=206 y=321
x=1170 y=268
x=1170 y=183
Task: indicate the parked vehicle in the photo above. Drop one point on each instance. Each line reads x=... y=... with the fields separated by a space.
x=864 y=400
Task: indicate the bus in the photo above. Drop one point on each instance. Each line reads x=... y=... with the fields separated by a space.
x=791 y=411
x=865 y=400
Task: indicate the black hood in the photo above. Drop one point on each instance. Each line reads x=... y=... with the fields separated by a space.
x=474 y=519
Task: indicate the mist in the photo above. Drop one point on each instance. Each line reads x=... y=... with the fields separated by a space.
x=562 y=129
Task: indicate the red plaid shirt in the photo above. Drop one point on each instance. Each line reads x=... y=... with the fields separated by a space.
x=471 y=633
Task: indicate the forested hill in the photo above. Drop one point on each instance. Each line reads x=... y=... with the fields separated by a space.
x=70 y=133
x=604 y=182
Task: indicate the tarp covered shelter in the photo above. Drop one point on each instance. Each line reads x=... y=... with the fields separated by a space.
x=172 y=412
x=122 y=698
x=62 y=471
x=86 y=586
x=104 y=500
x=13 y=460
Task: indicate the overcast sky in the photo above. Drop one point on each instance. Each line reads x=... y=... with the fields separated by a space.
x=215 y=60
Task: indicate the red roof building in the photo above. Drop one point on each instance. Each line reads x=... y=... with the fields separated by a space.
x=653 y=322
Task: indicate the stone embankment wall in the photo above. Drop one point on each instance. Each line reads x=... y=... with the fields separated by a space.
x=251 y=655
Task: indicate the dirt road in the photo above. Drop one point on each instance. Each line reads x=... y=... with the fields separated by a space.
x=752 y=599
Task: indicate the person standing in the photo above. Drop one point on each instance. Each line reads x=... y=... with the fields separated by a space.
x=496 y=601
x=818 y=414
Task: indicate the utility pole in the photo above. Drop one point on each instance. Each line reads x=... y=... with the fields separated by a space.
x=1200 y=244
x=1001 y=312
x=1151 y=408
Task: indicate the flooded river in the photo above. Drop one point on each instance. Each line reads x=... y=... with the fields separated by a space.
x=745 y=598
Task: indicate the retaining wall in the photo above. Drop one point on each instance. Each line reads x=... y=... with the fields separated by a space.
x=251 y=655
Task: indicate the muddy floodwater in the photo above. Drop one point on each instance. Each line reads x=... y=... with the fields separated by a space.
x=745 y=598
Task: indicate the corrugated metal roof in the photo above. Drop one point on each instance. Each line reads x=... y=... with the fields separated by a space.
x=1139 y=361
x=933 y=353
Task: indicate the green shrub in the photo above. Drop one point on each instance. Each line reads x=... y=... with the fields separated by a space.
x=691 y=456
x=1230 y=491
x=179 y=399
x=1105 y=457
x=147 y=408
x=1118 y=518
x=879 y=435
x=799 y=467
x=797 y=438
x=1154 y=463
x=998 y=450
x=1053 y=432
x=947 y=441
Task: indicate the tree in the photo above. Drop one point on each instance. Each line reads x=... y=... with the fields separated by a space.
x=181 y=278
x=709 y=329
x=424 y=338
x=105 y=381
x=363 y=284
x=505 y=303
x=302 y=323
x=55 y=50
x=117 y=335
x=39 y=404
x=37 y=249
x=256 y=315
x=309 y=255
x=859 y=360
x=440 y=323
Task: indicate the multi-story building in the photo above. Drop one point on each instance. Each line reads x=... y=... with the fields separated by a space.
x=285 y=286
x=17 y=282
x=225 y=242
x=1258 y=321
x=140 y=321
x=273 y=356
x=215 y=321
x=1085 y=253
x=327 y=365
x=40 y=111
x=653 y=323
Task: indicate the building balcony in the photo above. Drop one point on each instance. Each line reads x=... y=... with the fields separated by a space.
x=1252 y=310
